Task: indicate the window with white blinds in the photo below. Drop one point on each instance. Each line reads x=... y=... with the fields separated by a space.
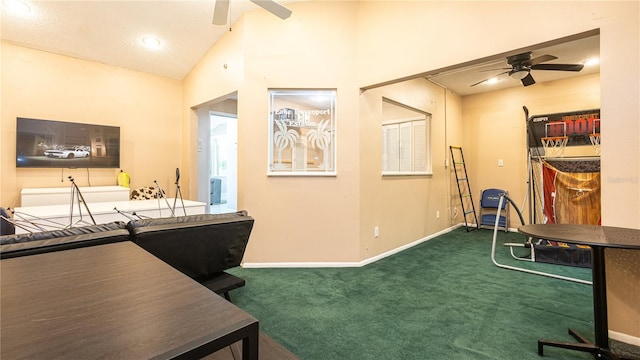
x=404 y=149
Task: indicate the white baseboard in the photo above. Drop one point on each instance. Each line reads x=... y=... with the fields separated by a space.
x=627 y=339
x=274 y=265
x=407 y=246
x=254 y=265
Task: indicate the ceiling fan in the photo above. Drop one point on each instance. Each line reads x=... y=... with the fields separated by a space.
x=522 y=64
x=221 y=10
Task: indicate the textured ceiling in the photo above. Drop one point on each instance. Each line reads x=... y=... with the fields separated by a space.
x=110 y=32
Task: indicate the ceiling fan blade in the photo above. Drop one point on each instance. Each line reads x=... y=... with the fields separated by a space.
x=558 y=67
x=528 y=80
x=538 y=60
x=274 y=8
x=220 y=12
x=480 y=82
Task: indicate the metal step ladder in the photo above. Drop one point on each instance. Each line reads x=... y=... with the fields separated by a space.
x=464 y=188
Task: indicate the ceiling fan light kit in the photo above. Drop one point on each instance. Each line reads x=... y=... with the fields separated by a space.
x=519 y=74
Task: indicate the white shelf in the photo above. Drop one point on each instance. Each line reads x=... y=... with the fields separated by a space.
x=62 y=195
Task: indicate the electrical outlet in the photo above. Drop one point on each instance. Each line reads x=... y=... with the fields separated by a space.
x=437 y=214
x=376 y=232
x=500 y=162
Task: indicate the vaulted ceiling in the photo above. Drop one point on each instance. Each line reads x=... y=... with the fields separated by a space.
x=111 y=32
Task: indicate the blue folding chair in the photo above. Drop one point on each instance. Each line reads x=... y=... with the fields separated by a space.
x=489 y=203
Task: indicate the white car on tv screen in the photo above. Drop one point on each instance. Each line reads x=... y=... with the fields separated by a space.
x=68 y=152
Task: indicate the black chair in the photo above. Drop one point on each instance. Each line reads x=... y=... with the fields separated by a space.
x=200 y=246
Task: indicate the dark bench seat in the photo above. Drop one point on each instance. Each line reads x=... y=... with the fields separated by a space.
x=200 y=246
x=57 y=240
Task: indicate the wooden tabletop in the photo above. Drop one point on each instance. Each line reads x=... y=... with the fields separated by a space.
x=108 y=301
x=593 y=235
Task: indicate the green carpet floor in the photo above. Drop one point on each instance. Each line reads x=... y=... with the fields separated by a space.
x=442 y=299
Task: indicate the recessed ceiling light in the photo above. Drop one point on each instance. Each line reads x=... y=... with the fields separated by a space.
x=16 y=6
x=151 y=42
x=592 y=62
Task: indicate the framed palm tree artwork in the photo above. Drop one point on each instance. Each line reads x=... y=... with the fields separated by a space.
x=302 y=132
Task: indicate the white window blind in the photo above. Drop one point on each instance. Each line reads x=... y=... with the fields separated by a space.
x=390 y=158
x=419 y=146
x=404 y=148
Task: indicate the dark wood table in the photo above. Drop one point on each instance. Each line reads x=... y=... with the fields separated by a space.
x=598 y=238
x=113 y=301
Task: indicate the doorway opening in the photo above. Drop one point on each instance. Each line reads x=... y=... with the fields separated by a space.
x=218 y=154
x=223 y=163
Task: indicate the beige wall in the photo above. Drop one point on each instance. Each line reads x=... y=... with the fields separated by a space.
x=398 y=39
x=42 y=85
x=403 y=207
x=620 y=87
x=301 y=219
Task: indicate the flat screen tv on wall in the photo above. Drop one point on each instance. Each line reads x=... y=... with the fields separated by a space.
x=59 y=144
